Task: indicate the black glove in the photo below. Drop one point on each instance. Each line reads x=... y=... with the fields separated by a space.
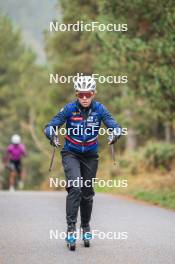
x=113 y=138
x=54 y=141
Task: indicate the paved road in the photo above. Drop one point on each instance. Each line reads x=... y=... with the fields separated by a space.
x=26 y=219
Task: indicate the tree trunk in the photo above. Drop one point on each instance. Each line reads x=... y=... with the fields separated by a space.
x=131 y=139
x=168 y=132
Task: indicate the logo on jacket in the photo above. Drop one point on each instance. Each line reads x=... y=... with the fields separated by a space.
x=75 y=113
x=90 y=119
x=76 y=118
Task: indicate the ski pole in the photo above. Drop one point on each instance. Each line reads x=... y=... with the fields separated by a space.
x=113 y=153
x=52 y=158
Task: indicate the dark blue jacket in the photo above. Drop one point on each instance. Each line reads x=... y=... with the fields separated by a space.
x=82 y=125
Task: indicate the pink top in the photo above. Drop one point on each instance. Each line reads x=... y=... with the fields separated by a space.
x=16 y=151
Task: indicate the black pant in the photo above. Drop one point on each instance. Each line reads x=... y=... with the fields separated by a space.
x=15 y=165
x=79 y=168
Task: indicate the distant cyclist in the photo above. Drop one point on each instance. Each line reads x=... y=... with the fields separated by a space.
x=12 y=160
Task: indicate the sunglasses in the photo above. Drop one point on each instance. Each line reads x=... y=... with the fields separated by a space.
x=84 y=94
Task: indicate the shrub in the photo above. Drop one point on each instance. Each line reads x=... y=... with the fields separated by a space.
x=159 y=154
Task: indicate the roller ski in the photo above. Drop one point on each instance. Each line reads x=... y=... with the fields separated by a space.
x=86 y=235
x=71 y=237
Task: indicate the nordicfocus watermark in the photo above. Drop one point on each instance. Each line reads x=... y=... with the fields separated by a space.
x=93 y=26
x=92 y=130
x=90 y=183
x=110 y=79
x=96 y=234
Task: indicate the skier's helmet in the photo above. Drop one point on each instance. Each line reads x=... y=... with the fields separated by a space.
x=16 y=139
x=85 y=84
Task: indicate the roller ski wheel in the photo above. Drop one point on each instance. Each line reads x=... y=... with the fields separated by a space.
x=86 y=243
x=71 y=246
x=71 y=238
x=86 y=236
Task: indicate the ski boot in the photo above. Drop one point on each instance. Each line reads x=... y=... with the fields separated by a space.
x=86 y=235
x=71 y=237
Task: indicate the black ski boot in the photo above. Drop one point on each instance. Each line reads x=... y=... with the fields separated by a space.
x=86 y=235
x=71 y=237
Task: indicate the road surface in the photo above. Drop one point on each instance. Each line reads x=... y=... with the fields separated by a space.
x=31 y=224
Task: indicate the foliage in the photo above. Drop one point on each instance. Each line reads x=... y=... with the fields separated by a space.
x=22 y=93
x=159 y=154
x=145 y=53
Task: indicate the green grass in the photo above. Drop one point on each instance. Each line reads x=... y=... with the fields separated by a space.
x=104 y=189
x=162 y=198
x=116 y=189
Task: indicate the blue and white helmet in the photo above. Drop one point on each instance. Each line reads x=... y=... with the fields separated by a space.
x=84 y=84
